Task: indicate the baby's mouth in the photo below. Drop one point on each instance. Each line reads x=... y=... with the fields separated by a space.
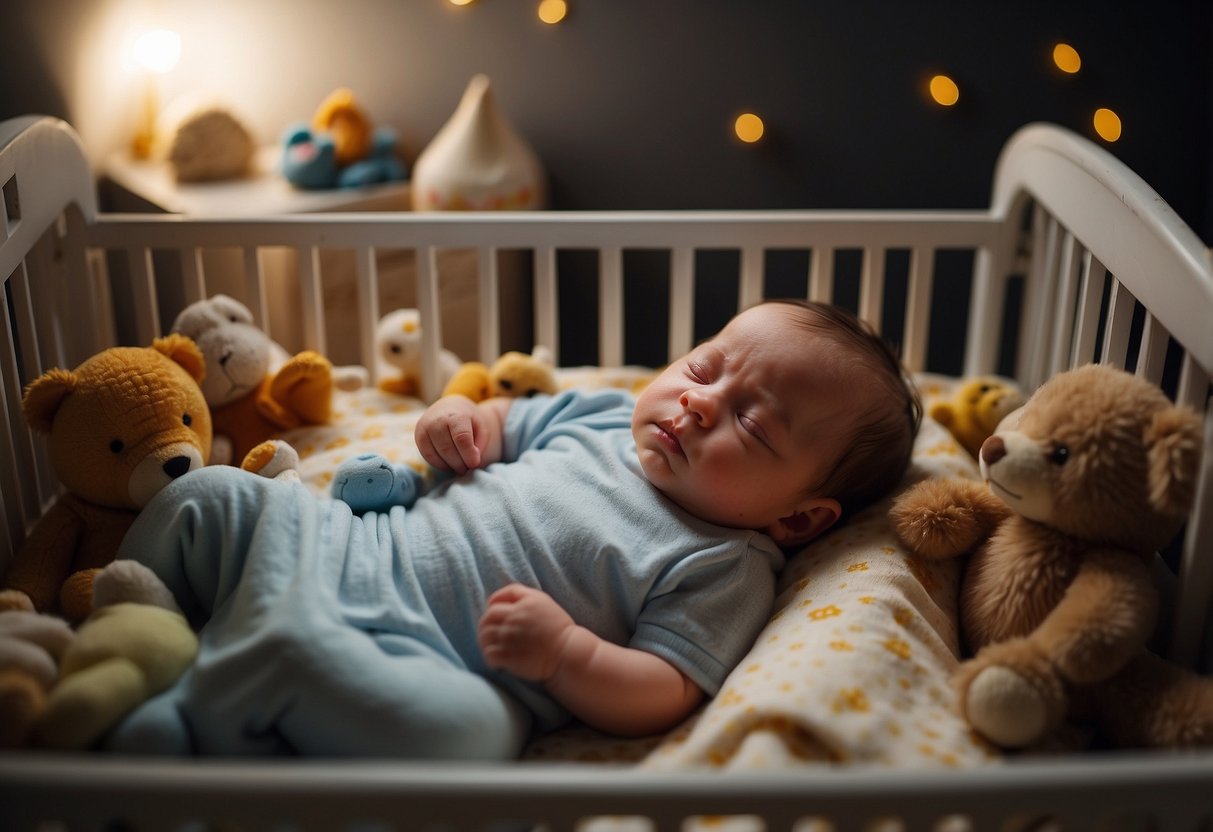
x=669 y=441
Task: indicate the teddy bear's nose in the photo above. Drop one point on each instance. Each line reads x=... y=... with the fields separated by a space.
x=177 y=466
x=993 y=449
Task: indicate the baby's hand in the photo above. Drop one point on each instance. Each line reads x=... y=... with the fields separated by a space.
x=524 y=632
x=453 y=434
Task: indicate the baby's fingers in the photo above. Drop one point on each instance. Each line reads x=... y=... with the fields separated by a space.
x=451 y=446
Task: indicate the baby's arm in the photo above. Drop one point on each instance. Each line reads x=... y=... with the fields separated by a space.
x=616 y=689
x=458 y=435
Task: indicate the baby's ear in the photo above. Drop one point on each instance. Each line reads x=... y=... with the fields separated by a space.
x=810 y=520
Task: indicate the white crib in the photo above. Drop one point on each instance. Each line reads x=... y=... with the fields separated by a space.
x=1102 y=270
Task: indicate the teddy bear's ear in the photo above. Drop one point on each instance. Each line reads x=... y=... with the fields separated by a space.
x=43 y=397
x=184 y=351
x=1173 y=439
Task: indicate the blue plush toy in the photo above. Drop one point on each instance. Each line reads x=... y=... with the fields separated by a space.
x=369 y=482
x=309 y=160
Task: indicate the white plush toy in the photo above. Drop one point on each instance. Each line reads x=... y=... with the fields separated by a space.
x=398 y=345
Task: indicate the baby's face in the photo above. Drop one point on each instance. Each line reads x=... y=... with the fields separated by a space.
x=739 y=429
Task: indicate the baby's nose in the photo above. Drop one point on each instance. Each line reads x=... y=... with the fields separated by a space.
x=700 y=405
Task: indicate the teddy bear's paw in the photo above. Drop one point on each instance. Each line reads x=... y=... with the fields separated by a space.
x=22 y=700
x=273 y=458
x=943 y=518
x=130 y=581
x=76 y=595
x=15 y=599
x=1005 y=708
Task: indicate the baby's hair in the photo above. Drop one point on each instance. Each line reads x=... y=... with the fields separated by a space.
x=877 y=452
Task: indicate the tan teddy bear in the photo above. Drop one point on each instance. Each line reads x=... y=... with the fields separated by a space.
x=119 y=427
x=1082 y=486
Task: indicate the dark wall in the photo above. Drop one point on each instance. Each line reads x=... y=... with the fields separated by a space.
x=629 y=103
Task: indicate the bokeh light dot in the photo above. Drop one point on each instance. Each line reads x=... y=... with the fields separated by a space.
x=1066 y=58
x=748 y=127
x=553 y=11
x=944 y=90
x=1107 y=124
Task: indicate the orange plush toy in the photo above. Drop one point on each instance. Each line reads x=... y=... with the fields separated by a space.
x=249 y=401
x=119 y=427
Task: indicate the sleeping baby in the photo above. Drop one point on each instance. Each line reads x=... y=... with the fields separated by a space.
x=592 y=557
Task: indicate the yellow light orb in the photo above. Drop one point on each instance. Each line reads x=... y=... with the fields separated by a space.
x=553 y=11
x=944 y=90
x=748 y=128
x=1107 y=124
x=158 y=50
x=1066 y=58
x=461 y=2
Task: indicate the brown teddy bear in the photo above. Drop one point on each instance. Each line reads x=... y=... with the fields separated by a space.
x=119 y=427
x=1082 y=486
x=250 y=401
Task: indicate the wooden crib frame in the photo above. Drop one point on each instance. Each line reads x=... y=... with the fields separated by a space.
x=1100 y=267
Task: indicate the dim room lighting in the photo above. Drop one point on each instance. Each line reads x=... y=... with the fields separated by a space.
x=1107 y=124
x=748 y=127
x=944 y=90
x=1066 y=58
x=461 y=2
x=553 y=11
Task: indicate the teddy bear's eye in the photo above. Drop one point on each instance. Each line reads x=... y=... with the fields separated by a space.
x=116 y=446
x=187 y=420
x=395 y=348
x=1059 y=455
x=507 y=384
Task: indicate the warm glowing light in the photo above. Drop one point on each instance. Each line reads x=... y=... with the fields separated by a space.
x=158 y=50
x=748 y=127
x=1066 y=58
x=1107 y=124
x=553 y=11
x=944 y=90
x=461 y=2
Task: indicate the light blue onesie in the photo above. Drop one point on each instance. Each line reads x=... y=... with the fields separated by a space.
x=324 y=633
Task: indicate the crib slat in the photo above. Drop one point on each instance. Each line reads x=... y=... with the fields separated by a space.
x=254 y=288
x=918 y=308
x=431 y=321
x=143 y=291
x=821 y=274
x=1118 y=326
x=366 y=270
x=95 y=313
x=1060 y=347
x=1037 y=296
x=1193 y=389
x=546 y=305
x=981 y=337
x=752 y=265
x=490 y=304
x=19 y=455
x=871 y=287
x=1196 y=567
x=193 y=281
x=44 y=293
x=610 y=305
x=311 y=296
x=1153 y=351
x=682 y=302
x=1091 y=293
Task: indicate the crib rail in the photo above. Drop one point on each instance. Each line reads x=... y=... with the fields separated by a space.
x=681 y=235
x=1158 y=792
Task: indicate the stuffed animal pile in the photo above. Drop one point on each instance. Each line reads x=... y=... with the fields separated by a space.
x=119 y=427
x=1082 y=486
x=250 y=401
